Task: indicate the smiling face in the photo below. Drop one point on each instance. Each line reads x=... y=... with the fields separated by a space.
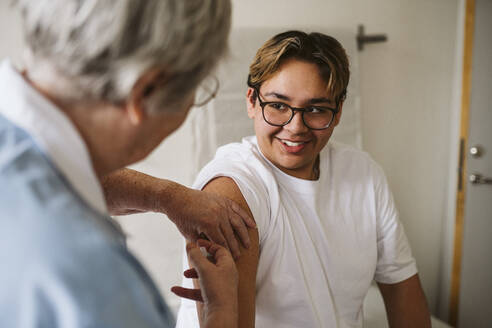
x=293 y=148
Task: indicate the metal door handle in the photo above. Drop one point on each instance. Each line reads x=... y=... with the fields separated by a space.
x=477 y=178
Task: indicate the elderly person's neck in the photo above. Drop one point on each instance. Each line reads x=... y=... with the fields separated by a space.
x=105 y=128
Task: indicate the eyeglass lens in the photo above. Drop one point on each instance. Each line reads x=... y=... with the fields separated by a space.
x=280 y=114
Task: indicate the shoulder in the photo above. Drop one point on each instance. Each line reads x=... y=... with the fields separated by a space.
x=64 y=278
x=241 y=161
x=40 y=215
x=250 y=176
x=24 y=170
x=62 y=256
x=35 y=230
x=246 y=149
x=346 y=154
x=18 y=152
x=351 y=162
x=243 y=155
x=70 y=262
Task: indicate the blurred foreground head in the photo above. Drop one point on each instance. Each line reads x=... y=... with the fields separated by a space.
x=98 y=49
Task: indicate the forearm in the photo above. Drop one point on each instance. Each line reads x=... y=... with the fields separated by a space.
x=128 y=191
x=194 y=212
x=221 y=320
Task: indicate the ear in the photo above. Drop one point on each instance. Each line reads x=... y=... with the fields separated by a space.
x=250 y=103
x=142 y=89
x=135 y=111
x=338 y=115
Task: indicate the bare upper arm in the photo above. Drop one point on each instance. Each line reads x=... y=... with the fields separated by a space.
x=248 y=261
x=405 y=303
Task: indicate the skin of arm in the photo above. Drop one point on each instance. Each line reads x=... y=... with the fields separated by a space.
x=194 y=212
x=405 y=304
x=247 y=264
x=128 y=191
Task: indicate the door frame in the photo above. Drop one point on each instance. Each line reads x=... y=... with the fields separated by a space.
x=463 y=145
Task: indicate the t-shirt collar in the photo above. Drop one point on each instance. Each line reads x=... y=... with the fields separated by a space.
x=288 y=181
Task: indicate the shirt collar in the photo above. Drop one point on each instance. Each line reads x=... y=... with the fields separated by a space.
x=54 y=133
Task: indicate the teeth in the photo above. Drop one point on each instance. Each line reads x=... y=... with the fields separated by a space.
x=292 y=144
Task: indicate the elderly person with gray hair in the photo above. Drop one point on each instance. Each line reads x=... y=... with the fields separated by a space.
x=105 y=83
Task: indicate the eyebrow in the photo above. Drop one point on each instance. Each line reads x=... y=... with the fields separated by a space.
x=286 y=98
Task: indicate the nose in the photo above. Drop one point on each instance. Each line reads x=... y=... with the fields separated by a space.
x=296 y=125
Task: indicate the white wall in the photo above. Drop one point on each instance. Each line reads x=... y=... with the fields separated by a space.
x=10 y=32
x=406 y=87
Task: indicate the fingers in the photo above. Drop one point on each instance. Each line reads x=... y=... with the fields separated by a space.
x=191 y=273
x=195 y=255
x=217 y=236
x=205 y=243
x=231 y=239
x=240 y=229
x=220 y=254
x=197 y=259
x=243 y=214
x=192 y=294
x=202 y=235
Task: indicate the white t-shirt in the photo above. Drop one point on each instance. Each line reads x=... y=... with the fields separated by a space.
x=321 y=242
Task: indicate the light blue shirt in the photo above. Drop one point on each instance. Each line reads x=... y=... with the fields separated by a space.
x=64 y=262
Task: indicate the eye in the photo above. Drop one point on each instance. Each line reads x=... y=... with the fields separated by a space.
x=278 y=106
x=315 y=110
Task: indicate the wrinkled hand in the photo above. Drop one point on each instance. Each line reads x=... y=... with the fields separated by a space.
x=218 y=278
x=199 y=214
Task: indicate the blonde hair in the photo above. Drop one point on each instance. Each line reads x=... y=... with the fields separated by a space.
x=320 y=49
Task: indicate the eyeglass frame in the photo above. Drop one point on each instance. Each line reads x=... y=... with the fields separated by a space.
x=212 y=95
x=294 y=109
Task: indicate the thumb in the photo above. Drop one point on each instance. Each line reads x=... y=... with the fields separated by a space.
x=197 y=259
x=218 y=254
x=222 y=256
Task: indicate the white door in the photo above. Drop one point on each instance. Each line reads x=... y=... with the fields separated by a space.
x=475 y=305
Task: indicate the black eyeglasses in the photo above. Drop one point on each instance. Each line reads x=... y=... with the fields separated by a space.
x=279 y=114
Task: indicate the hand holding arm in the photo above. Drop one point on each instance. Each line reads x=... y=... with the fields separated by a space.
x=194 y=212
x=247 y=264
x=218 y=282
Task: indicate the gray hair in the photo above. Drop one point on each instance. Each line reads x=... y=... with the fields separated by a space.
x=103 y=47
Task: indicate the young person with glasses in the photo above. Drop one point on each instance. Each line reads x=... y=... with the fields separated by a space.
x=327 y=222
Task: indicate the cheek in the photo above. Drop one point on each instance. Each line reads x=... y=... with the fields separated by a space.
x=323 y=136
x=263 y=129
x=175 y=120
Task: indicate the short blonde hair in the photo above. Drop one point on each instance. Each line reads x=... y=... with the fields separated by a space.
x=320 y=49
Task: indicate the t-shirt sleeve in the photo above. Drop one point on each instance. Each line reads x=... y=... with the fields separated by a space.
x=395 y=261
x=250 y=183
